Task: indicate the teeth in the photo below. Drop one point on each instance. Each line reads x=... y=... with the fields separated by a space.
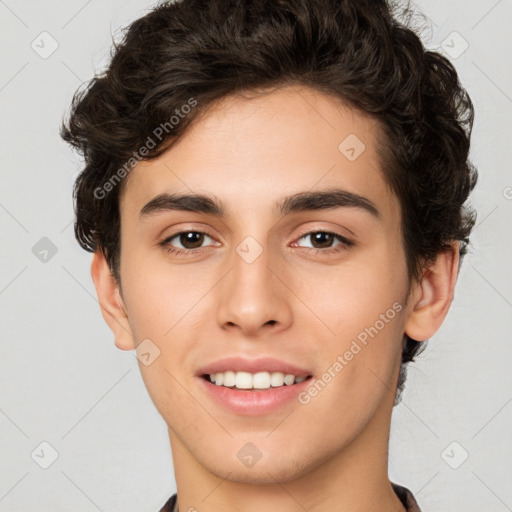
x=276 y=379
x=260 y=380
x=289 y=379
x=229 y=379
x=243 y=380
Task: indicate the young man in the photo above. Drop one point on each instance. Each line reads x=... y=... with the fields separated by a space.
x=274 y=194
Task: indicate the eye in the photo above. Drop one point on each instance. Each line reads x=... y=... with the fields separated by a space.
x=189 y=240
x=192 y=241
x=322 y=241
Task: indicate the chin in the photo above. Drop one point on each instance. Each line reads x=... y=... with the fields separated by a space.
x=267 y=470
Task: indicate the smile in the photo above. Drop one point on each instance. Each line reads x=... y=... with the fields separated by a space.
x=253 y=381
x=252 y=401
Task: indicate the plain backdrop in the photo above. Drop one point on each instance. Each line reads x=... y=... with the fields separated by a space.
x=71 y=401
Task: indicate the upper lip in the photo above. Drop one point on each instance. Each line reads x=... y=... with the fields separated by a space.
x=262 y=364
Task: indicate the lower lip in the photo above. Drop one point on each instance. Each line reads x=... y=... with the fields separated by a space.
x=253 y=402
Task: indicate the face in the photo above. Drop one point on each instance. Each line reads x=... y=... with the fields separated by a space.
x=312 y=286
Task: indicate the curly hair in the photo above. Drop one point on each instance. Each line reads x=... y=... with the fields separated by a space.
x=203 y=50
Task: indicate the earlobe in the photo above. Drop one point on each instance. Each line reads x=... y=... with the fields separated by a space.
x=112 y=305
x=433 y=295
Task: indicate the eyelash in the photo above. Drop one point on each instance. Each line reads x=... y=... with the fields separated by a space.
x=344 y=245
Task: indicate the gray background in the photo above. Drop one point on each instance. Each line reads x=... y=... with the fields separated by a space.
x=63 y=382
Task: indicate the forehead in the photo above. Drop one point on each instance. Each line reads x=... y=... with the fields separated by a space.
x=248 y=149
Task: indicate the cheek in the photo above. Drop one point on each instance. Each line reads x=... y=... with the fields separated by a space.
x=353 y=295
x=160 y=297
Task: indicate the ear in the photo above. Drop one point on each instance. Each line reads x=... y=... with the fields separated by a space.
x=433 y=295
x=112 y=305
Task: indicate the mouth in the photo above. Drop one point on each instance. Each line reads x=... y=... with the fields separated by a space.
x=259 y=381
x=246 y=394
x=253 y=386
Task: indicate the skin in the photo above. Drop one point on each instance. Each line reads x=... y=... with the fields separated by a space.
x=249 y=152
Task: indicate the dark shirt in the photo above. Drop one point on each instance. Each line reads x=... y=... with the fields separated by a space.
x=403 y=494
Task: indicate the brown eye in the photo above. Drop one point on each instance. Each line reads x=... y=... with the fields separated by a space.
x=185 y=240
x=322 y=239
x=191 y=239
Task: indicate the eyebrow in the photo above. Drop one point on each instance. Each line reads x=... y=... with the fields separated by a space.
x=296 y=203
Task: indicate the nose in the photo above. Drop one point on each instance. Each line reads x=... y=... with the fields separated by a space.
x=253 y=298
